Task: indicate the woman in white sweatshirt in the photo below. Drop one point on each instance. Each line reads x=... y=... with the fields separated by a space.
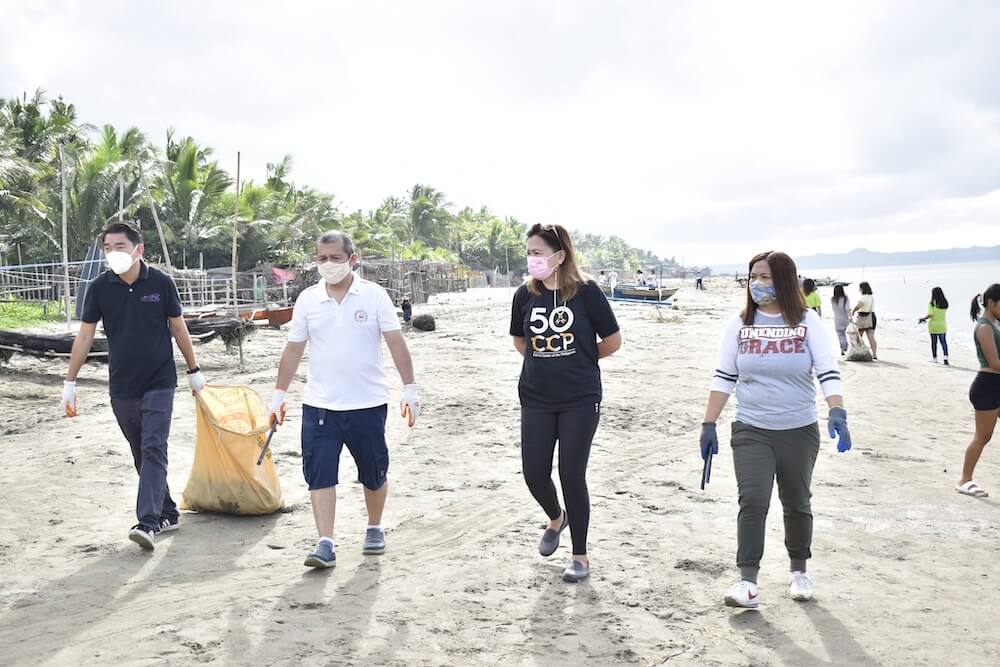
x=772 y=353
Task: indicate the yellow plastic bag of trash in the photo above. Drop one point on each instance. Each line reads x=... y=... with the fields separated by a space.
x=232 y=428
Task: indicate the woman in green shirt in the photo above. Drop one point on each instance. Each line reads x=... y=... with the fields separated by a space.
x=937 y=313
x=985 y=390
x=812 y=296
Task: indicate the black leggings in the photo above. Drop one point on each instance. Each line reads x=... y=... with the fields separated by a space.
x=944 y=344
x=574 y=429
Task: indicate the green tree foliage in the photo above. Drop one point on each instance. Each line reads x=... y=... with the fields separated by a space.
x=195 y=200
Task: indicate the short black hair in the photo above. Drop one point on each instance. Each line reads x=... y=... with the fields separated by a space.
x=129 y=229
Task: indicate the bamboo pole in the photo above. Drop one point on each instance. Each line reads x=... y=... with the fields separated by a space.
x=236 y=221
x=65 y=249
x=156 y=218
x=121 y=197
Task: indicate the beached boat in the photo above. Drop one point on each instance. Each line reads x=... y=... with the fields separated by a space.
x=230 y=330
x=275 y=316
x=46 y=346
x=638 y=293
x=830 y=282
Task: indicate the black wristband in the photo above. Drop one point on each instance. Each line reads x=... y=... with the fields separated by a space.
x=192 y=371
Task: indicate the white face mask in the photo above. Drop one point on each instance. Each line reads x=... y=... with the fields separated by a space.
x=120 y=262
x=334 y=273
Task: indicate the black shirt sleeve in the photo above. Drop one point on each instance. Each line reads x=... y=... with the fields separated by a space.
x=172 y=306
x=517 y=312
x=91 y=310
x=599 y=310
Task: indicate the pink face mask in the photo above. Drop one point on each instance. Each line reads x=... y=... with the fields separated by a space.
x=539 y=267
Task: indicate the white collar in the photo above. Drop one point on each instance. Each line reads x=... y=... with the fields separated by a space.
x=355 y=287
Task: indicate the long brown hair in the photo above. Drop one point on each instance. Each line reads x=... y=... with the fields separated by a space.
x=785 y=277
x=569 y=275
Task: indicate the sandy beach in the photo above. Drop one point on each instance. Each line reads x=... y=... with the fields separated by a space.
x=905 y=568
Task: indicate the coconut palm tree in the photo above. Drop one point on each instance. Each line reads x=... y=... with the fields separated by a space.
x=429 y=217
x=193 y=187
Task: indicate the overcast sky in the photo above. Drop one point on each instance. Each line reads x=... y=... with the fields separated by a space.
x=704 y=130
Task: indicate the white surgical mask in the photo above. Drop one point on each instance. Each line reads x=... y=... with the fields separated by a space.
x=120 y=262
x=334 y=273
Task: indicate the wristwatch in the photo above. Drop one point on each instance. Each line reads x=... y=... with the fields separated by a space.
x=192 y=371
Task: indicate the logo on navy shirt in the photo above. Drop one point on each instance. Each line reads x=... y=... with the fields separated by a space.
x=152 y=297
x=360 y=316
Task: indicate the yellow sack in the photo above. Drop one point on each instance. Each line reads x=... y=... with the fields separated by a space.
x=232 y=428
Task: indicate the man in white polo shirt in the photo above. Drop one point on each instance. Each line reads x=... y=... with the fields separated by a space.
x=344 y=318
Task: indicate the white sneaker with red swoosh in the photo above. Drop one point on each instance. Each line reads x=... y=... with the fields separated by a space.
x=742 y=594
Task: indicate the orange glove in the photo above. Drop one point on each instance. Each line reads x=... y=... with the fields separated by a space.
x=68 y=402
x=409 y=406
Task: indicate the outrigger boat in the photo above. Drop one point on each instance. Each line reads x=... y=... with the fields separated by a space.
x=229 y=330
x=46 y=346
x=275 y=317
x=628 y=292
x=830 y=282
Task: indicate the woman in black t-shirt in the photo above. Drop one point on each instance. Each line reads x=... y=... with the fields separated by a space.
x=562 y=324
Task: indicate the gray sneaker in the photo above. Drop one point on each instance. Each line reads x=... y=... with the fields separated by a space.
x=322 y=556
x=374 y=542
x=550 y=538
x=576 y=572
x=142 y=536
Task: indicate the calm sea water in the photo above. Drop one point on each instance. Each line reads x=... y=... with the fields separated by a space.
x=903 y=292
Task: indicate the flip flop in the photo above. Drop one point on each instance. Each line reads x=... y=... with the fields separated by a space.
x=970 y=488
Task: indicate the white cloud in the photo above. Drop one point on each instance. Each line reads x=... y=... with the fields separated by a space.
x=707 y=129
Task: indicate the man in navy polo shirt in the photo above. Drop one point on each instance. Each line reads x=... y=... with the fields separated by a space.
x=140 y=309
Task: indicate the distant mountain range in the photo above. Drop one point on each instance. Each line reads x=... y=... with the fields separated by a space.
x=864 y=257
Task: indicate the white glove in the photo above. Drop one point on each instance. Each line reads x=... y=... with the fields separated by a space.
x=276 y=413
x=197 y=381
x=68 y=402
x=409 y=406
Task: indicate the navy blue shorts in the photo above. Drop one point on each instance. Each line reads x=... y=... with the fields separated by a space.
x=324 y=434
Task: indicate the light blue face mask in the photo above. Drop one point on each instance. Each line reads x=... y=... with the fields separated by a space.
x=763 y=295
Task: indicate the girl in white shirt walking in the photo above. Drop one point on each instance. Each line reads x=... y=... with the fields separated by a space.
x=866 y=322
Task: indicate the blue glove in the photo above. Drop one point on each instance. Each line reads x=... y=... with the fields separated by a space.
x=837 y=424
x=709 y=440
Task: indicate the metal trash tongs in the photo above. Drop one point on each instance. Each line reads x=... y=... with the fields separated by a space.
x=706 y=471
x=267 y=444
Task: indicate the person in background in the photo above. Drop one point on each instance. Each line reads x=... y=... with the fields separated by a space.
x=937 y=314
x=651 y=279
x=602 y=280
x=984 y=394
x=866 y=320
x=640 y=278
x=140 y=310
x=812 y=296
x=562 y=325
x=407 y=310
x=841 y=316
x=771 y=355
x=699 y=282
